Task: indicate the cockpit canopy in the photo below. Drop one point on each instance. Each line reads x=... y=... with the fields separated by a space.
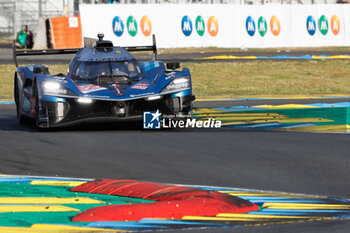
x=91 y=70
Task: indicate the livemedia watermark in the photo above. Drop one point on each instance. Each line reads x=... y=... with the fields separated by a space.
x=157 y=120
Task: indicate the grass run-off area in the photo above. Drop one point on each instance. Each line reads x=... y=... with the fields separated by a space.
x=245 y=78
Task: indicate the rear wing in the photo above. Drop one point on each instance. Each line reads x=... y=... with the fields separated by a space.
x=17 y=53
x=152 y=47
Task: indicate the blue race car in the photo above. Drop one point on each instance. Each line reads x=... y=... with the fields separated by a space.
x=103 y=83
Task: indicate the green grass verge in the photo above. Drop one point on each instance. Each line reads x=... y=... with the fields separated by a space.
x=245 y=78
x=6 y=81
x=271 y=77
x=5 y=41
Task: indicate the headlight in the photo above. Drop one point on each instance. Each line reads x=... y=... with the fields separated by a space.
x=178 y=84
x=54 y=88
x=155 y=97
x=85 y=100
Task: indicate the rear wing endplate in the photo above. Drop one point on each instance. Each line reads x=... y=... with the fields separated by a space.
x=17 y=53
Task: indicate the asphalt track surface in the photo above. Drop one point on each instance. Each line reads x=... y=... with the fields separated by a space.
x=309 y=163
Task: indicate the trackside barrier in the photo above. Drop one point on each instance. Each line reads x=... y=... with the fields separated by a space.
x=220 y=25
x=59 y=33
x=66 y=32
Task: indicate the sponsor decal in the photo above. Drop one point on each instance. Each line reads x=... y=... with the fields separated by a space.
x=250 y=26
x=275 y=25
x=60 y=79
x=311 y=25
x=170 y=75
x=213 y=26
x=146 y=26
x=186 y=25
x=131 y=25
x=262 y=26
x=142 y=94
x=151 y=120
x=335 y=24
x=97 y=96
x=200 y=25
x=116 y=88
x=90 y=88
x=323 y=25
x=141 y=86
x=118 y=26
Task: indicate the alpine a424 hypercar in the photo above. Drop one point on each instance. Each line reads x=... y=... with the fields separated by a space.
x=103 y=83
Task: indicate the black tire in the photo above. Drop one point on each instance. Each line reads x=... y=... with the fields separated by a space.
x=22 y=120
x=36 y=104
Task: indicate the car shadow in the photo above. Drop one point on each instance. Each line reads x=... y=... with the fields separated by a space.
x=10 y=123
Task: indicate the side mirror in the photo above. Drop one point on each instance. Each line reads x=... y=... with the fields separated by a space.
x=173 y=65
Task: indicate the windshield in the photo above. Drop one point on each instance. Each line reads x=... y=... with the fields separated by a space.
x=91 y=69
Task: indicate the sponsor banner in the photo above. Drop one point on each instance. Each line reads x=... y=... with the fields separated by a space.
x=322 y=25
x=219 y=25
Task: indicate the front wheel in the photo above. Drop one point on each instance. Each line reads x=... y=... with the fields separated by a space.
x=20 y=117
x=35 y=105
